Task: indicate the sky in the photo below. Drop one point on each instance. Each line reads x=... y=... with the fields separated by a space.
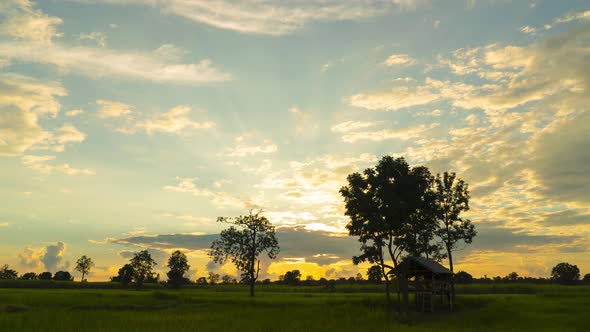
x=133 y=124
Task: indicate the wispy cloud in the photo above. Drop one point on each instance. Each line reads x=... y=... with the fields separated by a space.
x=268 y=17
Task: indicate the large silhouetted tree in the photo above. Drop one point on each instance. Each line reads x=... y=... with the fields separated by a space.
x=124 y=275
x=83 y=265
x=142 y=264
x=452 y=199
x=178 y=265
x=243 y=242
x=390 y=209
x=565 y=273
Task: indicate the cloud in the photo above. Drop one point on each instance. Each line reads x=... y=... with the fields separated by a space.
x=403 y=60
x=573 y=17
x=112 y=109
x=349 y=126
x=49 y=257
x=268 y=17
x=73 y=113
x=561 y=158
x=249 y=145
x=403 y=134
x=23 y=100
x=98 y=62
x=174 y=121
x=528 y=30
x=58 y=140
x=41 y=164
x=24 y=22
x=218 y=198
x=99 y=38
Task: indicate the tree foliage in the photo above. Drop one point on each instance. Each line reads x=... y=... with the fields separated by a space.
x=7 y=273
x=390 y=209
x=178 y=265
x=452 y=199
x=565 y=273
x=124 y=275
x=463 y=277
x=29 y=276
x=83 y=265
x=142 y=264
x=63 y=276
x=291 y=277
x=45 y=275
x=374 y=274
x=243 y=243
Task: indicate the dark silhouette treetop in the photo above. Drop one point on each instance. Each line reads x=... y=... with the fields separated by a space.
x=565 y=273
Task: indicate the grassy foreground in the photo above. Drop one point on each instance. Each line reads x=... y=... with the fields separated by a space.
x=231 y=309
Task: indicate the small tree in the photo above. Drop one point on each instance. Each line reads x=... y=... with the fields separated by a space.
x=29 y=276
x=243 y=243
x=63 y=276
x=463 y=277
x=178 y=265
x=83 y=265
x=45 y=275
x=8 y=273
x=374 y=274
x=452 y=199
x=565 y=273
x=226 y=280
x=202 y=281
x=213 y=278
x=586 y=278
x=292 y=277
x=142 y=264
x=512 y=276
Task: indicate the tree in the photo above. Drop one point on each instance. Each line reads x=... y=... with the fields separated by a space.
x=29 y=276
x=463 y=277
x=226 y=280
x=292 y=277
x=586 y=278
x=125 y=275
x=45 y=276
x=8 y=273
x=512 y=276
x=213 y=278
x=178 y=265
x=243 y=243
x=63 y=276
x=452 y=199
x=202 y=281
x=390 y=209
x=142 y=264
x=374 y=274
x=359 y=277
x=565 y=273
x=83 y=265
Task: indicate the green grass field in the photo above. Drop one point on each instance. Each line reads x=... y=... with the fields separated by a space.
x=278 y=308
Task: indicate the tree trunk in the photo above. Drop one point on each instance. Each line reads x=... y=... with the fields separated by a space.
x=82 y=280
x=452 y=303
x=252 y=286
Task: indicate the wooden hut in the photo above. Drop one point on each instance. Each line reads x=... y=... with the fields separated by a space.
x=426 y=279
